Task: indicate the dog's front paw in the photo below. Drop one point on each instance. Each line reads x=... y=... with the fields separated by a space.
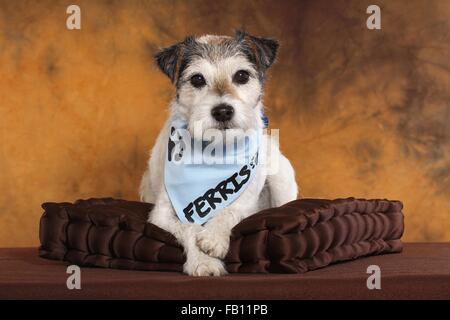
x=204 y=266
x=213 y=244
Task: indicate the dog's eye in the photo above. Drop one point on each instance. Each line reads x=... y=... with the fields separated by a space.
x=241 y=77
x=198 y=81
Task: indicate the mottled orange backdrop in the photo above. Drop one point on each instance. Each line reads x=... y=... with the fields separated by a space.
x=361 y=113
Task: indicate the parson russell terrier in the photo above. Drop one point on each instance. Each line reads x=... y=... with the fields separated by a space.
x=219 y=84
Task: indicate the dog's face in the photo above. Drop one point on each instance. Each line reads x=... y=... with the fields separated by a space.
x=219 y=79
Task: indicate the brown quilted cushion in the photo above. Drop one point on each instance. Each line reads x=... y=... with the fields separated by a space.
x=301 y=235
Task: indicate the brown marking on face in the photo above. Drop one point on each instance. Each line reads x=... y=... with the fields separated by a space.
x=223 y=86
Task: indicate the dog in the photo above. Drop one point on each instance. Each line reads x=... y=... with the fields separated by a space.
x=219 y=83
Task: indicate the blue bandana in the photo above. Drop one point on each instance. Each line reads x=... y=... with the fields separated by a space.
x=203 y=177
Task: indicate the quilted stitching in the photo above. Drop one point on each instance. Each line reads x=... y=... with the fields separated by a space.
x=300 y=236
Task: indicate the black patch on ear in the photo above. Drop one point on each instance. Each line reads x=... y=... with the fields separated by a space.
x=173 y=60
x=167 y=60
x=263 y=50
x=267 y=49
x=240 y=35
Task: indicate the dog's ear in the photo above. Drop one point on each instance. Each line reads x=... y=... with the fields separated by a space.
x=166 y=59
x=265 y=49
x=169 y=59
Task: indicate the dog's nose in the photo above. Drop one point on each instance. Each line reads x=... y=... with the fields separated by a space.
x=222 y=112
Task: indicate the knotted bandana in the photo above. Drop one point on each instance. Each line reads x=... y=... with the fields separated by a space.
x=202 y=177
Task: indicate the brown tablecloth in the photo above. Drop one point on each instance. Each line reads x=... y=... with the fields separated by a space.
x=421 y=271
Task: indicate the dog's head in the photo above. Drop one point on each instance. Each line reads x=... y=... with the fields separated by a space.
x=219 y=79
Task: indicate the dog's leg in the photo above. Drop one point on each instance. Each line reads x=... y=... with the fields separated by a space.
x=197 y=262
x=214 y=239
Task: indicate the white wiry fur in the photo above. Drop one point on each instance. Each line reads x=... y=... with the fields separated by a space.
x=205 y=246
